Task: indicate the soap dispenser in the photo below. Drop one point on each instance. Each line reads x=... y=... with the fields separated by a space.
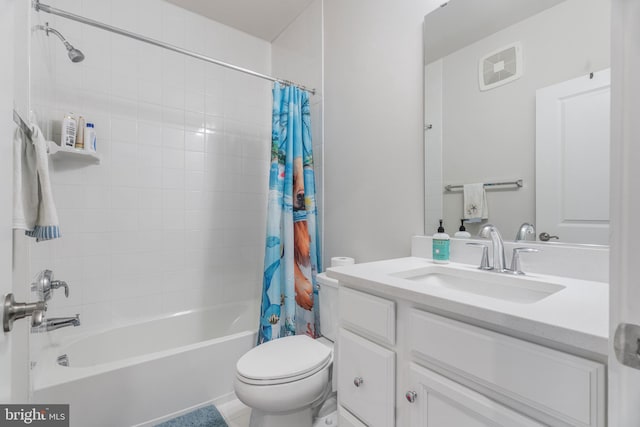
x=441 y=246
x=462 y=231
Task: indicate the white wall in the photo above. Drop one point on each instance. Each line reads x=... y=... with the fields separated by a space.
x=174 y=217
x=490 y=135
x=297 y=56
x=374 y=180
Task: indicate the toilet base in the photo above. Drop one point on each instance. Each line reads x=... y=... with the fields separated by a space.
x=300 y=418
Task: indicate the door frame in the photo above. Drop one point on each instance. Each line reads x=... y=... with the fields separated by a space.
x=624 y=288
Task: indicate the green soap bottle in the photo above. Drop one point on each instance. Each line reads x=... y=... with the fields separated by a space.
x=441 y=246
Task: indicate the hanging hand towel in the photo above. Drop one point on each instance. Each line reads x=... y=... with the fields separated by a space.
x=475 y=203
x=33 y=207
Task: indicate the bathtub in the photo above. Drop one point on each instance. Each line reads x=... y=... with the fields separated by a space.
x=146 y=372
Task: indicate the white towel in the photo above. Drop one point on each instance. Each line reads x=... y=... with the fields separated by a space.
x=33 y=207
x=475 y=203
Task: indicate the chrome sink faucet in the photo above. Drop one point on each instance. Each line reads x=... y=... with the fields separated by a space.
x=490 y=231
x=499 y=263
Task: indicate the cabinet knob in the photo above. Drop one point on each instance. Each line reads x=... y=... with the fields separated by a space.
x=357 y=381
x=411 y=396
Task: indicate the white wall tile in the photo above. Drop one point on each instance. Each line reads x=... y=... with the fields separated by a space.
x=194 y=141
x=150 y=134
x=151 y=223
x=173 y=158
x=172 y=137
x=148 y=111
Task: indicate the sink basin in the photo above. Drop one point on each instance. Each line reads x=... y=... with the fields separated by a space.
x=505 y=287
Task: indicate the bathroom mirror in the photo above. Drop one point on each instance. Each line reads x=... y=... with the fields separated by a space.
x=485 y=63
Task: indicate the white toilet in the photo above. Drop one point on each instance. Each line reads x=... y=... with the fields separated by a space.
x=284 y=379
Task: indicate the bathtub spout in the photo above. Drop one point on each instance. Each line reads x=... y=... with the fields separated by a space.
x=60 y=322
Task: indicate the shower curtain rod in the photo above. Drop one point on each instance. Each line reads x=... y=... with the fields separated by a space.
x=54 y=11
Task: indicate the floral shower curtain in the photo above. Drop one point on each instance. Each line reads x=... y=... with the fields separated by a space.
x=292 y=254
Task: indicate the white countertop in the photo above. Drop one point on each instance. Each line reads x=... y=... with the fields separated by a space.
x=575 y=317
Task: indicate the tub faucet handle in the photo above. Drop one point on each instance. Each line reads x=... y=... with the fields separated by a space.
x=61 y=284
x=44 y=285
x=13 y=311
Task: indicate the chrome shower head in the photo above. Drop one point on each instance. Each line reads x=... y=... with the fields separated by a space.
x=75 y=55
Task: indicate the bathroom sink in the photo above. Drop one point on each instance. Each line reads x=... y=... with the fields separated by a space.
x=505 y=287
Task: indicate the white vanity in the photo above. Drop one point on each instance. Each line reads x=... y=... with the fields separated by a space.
x=422 y=344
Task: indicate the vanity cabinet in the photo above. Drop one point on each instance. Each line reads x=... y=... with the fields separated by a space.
x=556 y=388
x=399 y=364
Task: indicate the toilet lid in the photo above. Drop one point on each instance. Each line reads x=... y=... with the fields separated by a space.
x=284 y=358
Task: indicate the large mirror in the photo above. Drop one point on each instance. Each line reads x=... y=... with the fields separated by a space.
x=517 y=94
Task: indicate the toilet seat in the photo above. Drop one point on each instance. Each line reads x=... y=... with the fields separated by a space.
x=283 y=360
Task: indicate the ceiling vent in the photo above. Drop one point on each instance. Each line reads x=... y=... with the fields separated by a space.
x=501 y=66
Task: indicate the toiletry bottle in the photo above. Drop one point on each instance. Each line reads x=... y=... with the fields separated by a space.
x=69 y=128
x=441 y=246
x=90 y=137
x=462 y=232
x=80 y=134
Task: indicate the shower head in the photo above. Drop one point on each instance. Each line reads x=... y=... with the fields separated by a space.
x=75 y=55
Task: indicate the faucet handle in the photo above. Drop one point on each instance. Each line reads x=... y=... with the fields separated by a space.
x=61 y=284
x=484 y=263
x=44 y=285
x=515 y=259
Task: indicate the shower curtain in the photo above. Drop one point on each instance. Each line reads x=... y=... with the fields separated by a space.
x=292 y=254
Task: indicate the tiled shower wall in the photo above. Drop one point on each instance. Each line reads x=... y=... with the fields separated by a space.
x=173 y=218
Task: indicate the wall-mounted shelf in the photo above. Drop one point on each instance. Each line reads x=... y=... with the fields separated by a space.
x=58 y=152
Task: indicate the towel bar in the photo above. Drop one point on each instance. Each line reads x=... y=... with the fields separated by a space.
x=518 y=183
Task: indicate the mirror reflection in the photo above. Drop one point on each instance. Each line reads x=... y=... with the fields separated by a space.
x=517 y=95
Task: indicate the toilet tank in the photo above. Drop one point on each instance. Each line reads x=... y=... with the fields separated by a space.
x=328 y=294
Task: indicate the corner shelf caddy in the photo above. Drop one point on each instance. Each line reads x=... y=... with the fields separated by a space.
x=58 y=152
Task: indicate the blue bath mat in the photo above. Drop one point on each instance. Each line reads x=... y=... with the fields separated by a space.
x=207 y=416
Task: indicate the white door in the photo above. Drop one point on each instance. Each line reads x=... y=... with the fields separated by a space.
x=439 y=402
x=624 y=379
x=572 y=159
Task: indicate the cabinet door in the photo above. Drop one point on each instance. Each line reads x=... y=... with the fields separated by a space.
x=569 y=390
x=366 y=379
x=440 y=402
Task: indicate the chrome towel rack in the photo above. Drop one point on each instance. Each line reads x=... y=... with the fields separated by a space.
x=518 y=183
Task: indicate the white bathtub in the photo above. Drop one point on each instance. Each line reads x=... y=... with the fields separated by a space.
x=134 y=374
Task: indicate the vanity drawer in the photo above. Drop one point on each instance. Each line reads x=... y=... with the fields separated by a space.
x=568 y=388
x=368 y=315
x=366 y=379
